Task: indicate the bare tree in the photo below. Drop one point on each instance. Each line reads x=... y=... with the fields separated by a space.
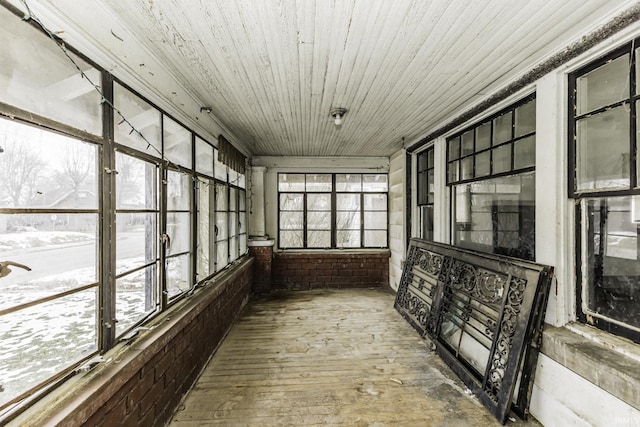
x=20 y=168
x=77 y=165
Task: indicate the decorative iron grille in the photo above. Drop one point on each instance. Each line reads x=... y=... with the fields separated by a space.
x=484 y=314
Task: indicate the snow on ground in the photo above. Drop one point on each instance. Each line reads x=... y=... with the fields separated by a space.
x=35 y=239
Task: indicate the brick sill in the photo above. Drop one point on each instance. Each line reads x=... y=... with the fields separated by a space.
x=609 y=362
x=334 y=251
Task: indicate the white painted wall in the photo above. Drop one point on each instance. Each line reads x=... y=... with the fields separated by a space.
x=397 y=215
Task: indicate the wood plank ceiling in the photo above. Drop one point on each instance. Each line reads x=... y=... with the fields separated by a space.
x=272 y=69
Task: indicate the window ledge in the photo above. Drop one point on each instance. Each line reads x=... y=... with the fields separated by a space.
x=609 y=362
x=334 y=251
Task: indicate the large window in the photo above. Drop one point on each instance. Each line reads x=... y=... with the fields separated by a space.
x=426 y=196
x=603 y=179
x=101 y=227
x=332 y=210
x=491 y=174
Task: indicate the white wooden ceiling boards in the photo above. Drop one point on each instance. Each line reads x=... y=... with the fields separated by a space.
x=271 y=70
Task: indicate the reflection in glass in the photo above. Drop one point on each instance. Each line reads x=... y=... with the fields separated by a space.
x=144 y=118
x=612 y=262
x=497 y=215
x=603 y=86
x=177 y=143
x=602 y=150
x=204 y=157
x=37 y=76
x=178 y=191
x=136 y=183
x=59 y=334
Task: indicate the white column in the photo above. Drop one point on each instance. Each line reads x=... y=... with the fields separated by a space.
x=257 y=218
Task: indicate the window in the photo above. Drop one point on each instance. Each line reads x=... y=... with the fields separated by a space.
x=603 y=179
x=332 y=210
x=426 y=177
x=491 y=174
x=112 y=221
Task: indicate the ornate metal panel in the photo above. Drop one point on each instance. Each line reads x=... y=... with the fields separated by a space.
x=483 y=312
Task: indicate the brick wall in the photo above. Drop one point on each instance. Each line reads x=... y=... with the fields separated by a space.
x=154 y=372
x=261 y=268
x=328 y=269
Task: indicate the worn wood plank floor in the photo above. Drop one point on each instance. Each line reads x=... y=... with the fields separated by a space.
x=341 y=357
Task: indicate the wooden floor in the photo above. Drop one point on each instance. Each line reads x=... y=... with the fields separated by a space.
x=328 y=358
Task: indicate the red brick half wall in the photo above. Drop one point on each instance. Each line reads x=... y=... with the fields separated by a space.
x=331 y=269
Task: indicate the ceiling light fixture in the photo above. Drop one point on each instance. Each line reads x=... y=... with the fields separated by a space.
x=338 y=115
x=207 y=110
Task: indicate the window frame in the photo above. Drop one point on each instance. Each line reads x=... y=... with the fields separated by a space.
x=581 y=197
x=333 y=209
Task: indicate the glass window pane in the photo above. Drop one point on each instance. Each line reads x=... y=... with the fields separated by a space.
x=234 y=176
x=454 y=148
x=319 y=221
x=431 y=186
x=221 y=230
x=178 y=275
x=525 y=152
x=222 y=199
x=40 y=169
x=60 y=249
x=317 y=182
x=422 y=161
x=136 y=297
x=179 y=231
x=426 y=219
x=467 y=143
x=204 y=157
x=612 y=263
x=136 y=240
x=375 y=183
x=291 y=202
x=136 y=183
x=502 y=128
x=497 y=215
x=526 y=118
x=348 y=220
x=233 y=225
x=375 y=202
x=319 y=239
x=502 y=159
x=375 y=220
x=346 y=202
x=178 y=191
x=233 y=249
x=467 y=168
x=603 y=86
x=291 y=221
x=291 y=239
x=233 y=199
x=177 y=143
x=348 y=182
x=291 y=182
x=204 y=231
x=319 y=202
x=348 y=239
x=222 y=255
x=602 y=154
x=483 y=164
x=453 y=172
x=375 y=239
x=32 y=351
x=37 y=76
x=483 y=136
x=142 y=117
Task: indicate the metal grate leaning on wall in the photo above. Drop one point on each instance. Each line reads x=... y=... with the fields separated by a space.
x=484 y=314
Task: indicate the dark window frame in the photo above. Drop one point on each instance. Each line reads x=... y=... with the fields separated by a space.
x=333 y=212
